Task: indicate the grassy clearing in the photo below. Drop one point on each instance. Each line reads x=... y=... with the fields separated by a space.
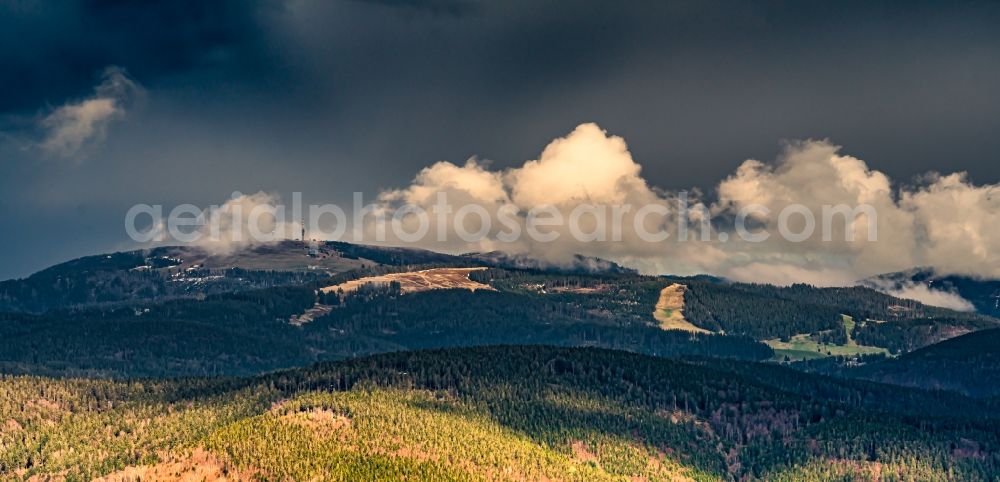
x=801 y=347
x=409 y=282
x=416 y=281
x=795 y=355
x=849 y=328
x=669 y=310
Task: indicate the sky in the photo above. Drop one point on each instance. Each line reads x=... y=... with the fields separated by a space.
x=104 y=105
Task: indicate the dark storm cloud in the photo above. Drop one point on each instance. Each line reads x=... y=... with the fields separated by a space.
x=53 y=50
x=451 y=7
x=333 y=97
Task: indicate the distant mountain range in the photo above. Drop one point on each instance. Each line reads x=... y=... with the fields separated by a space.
x=261 y=308
x=186 y=271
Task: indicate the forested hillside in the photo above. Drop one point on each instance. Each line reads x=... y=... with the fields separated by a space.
x=249 y=331
x=495 y=413
x=766 y=311
x=968 y=364
x=166 y=273
x=182 y=312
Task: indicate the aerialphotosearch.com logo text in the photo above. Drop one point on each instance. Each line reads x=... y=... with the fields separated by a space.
x=247 y=219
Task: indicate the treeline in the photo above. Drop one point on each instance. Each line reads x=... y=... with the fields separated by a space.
x=766 y=311
x=248 y=332
x=376 y=319
x=968 y=364
x=393 y=256
x=905 y=335
x=620 y=299
x=231 y=333
x=763 y=311
x=65 y=288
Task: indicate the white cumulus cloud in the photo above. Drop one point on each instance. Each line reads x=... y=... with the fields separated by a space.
x=944 y=222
